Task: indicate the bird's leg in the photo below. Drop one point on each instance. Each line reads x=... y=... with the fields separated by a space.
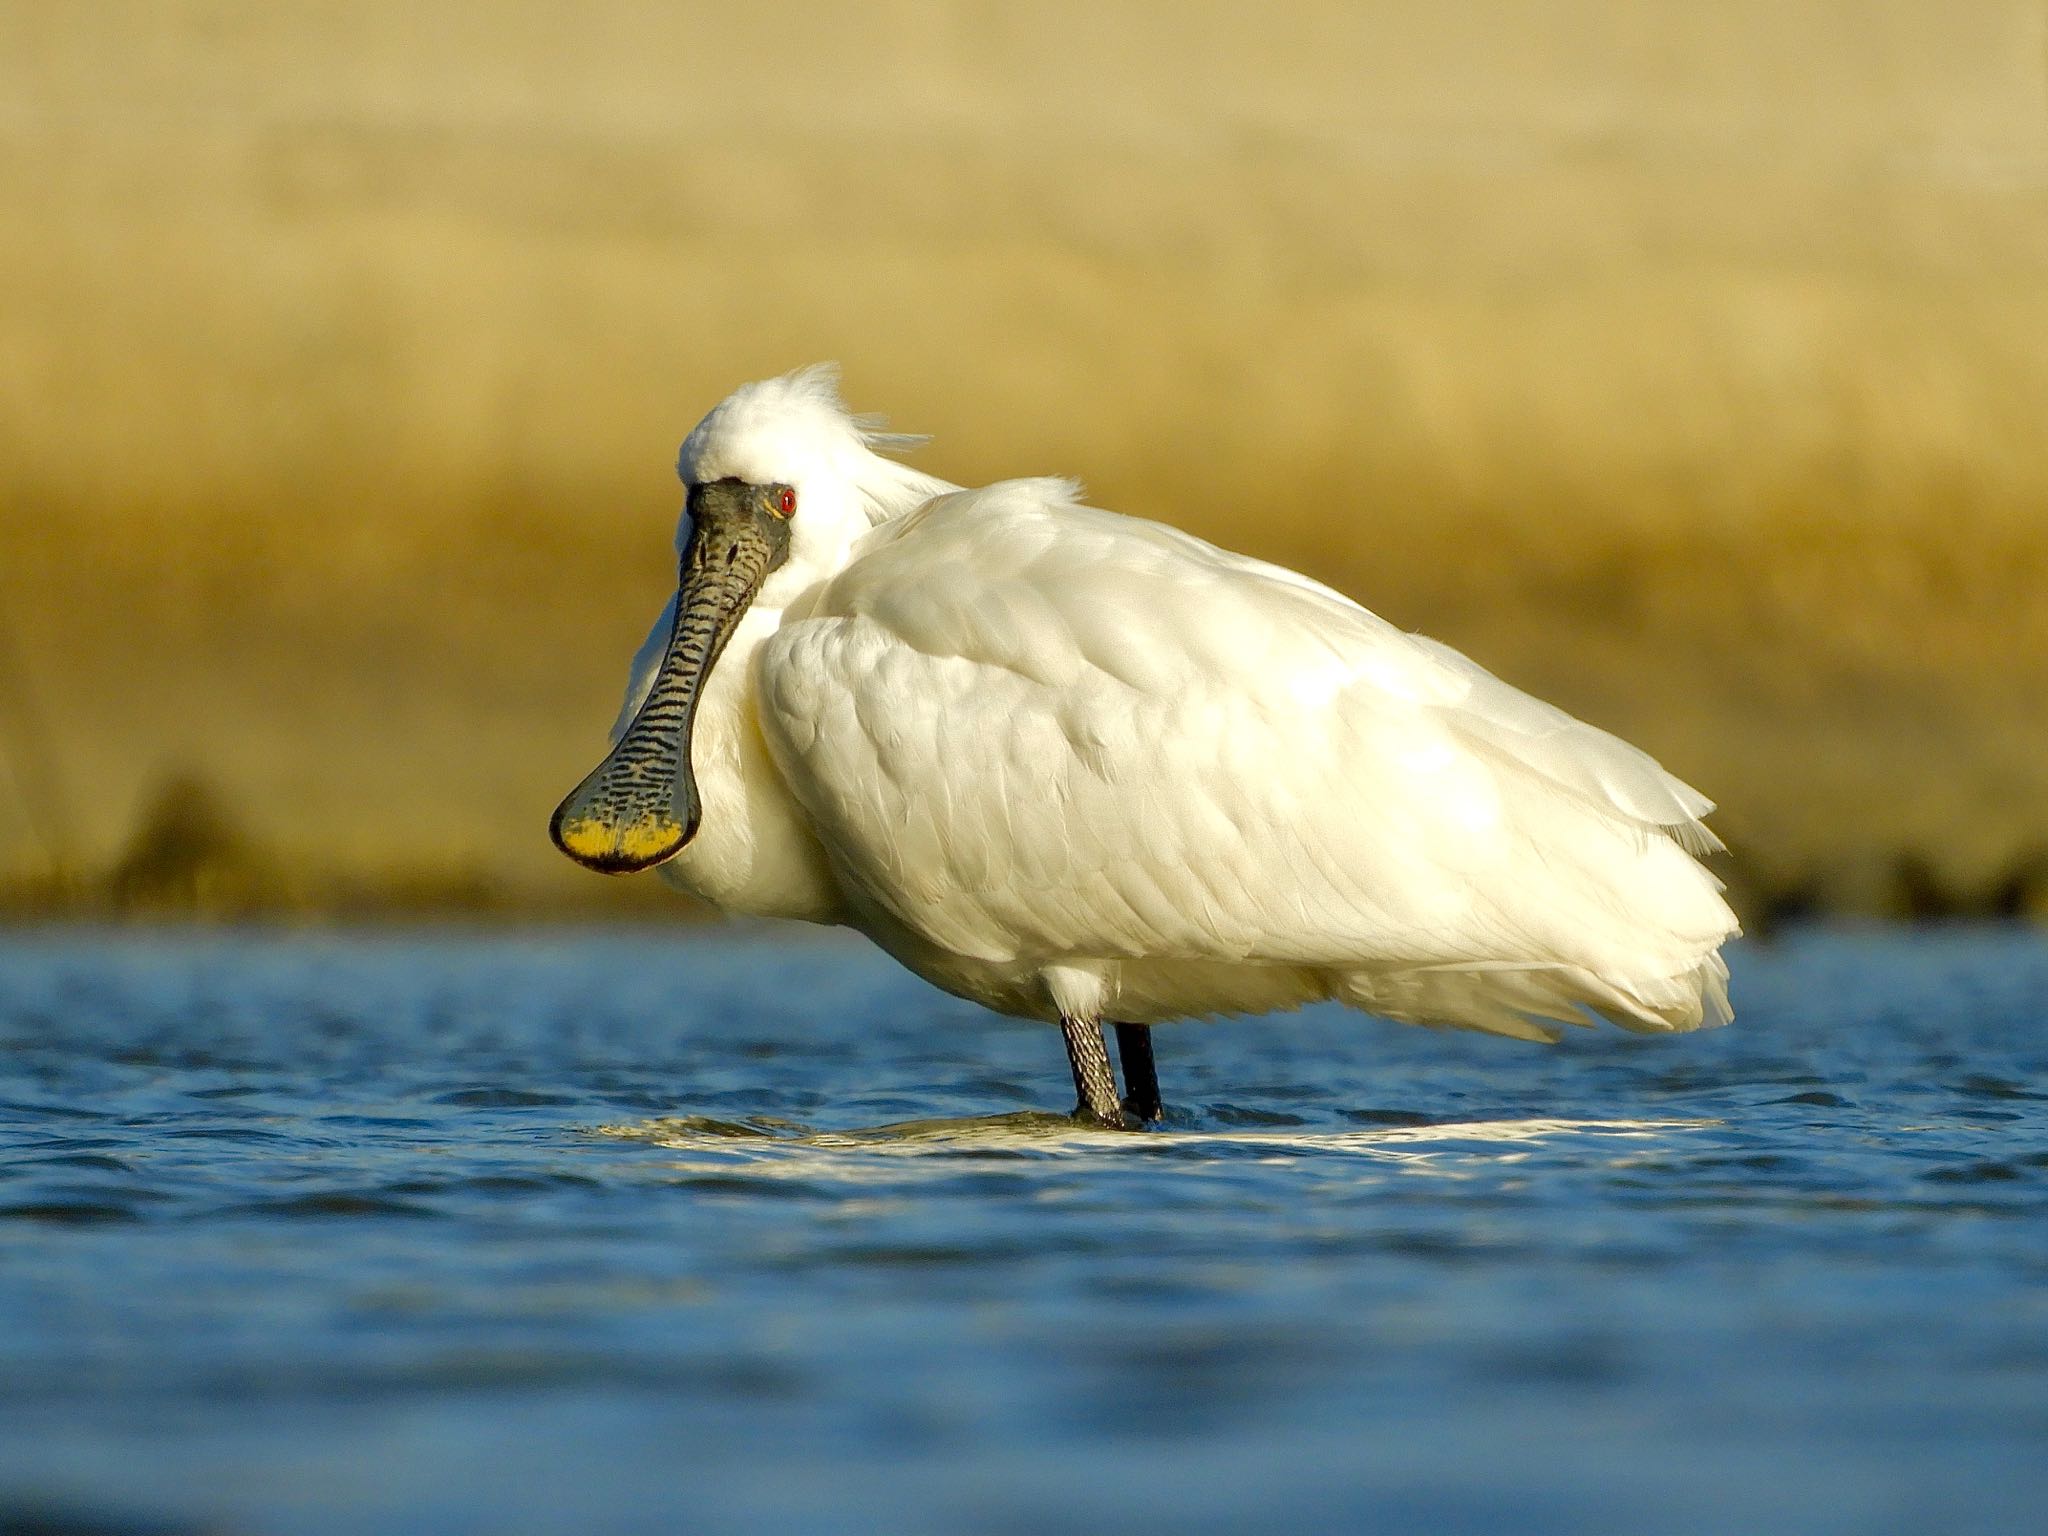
x=1141 y=1076
x=1089 y=1058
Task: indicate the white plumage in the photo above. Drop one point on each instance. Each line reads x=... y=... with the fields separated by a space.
x=1066 y=762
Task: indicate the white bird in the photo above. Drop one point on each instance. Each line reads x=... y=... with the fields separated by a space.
x=1084 y=768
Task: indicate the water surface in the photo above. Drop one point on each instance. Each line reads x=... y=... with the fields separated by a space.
x=708 y=1231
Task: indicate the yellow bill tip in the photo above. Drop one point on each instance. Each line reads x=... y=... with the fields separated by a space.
x=614 y=849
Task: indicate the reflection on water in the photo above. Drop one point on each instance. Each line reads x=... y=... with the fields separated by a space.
x=726 y=1231
x=782 y=1148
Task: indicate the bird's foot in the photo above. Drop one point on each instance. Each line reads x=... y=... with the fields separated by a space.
x=1144 y=1111
x=1119 y=1120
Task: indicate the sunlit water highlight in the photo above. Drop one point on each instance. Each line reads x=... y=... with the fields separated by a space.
x=727 y=1231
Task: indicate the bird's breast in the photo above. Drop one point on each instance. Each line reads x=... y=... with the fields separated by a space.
x=755 y=853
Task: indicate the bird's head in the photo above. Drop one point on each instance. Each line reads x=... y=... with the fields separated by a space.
x=779 y=483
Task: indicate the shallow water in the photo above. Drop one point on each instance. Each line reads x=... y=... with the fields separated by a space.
x=710 y=1231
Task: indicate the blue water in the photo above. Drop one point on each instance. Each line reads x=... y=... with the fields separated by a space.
x=726 y=1231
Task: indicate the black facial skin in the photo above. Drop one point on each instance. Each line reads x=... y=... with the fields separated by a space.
x=639 y=807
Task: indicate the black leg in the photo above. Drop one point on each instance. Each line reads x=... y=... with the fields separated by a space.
x=1089 y=1058
x=1141 y=1076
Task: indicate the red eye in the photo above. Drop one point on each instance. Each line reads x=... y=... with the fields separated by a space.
x=785 y=501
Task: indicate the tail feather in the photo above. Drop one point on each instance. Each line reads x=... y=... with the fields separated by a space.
x=1528 y=1002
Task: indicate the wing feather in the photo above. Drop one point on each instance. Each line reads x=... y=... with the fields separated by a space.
x=1030 y=729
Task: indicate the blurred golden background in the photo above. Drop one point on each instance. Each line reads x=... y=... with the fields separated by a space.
x=1687 y=365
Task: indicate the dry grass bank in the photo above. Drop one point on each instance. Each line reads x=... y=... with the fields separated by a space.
x=335 y=416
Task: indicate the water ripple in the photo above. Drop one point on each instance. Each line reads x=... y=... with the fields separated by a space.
x=720 y=1232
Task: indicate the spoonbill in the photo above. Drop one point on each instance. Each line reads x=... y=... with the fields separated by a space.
x=1084 y=768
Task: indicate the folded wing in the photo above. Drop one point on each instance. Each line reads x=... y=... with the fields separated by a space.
x=1027 y=728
